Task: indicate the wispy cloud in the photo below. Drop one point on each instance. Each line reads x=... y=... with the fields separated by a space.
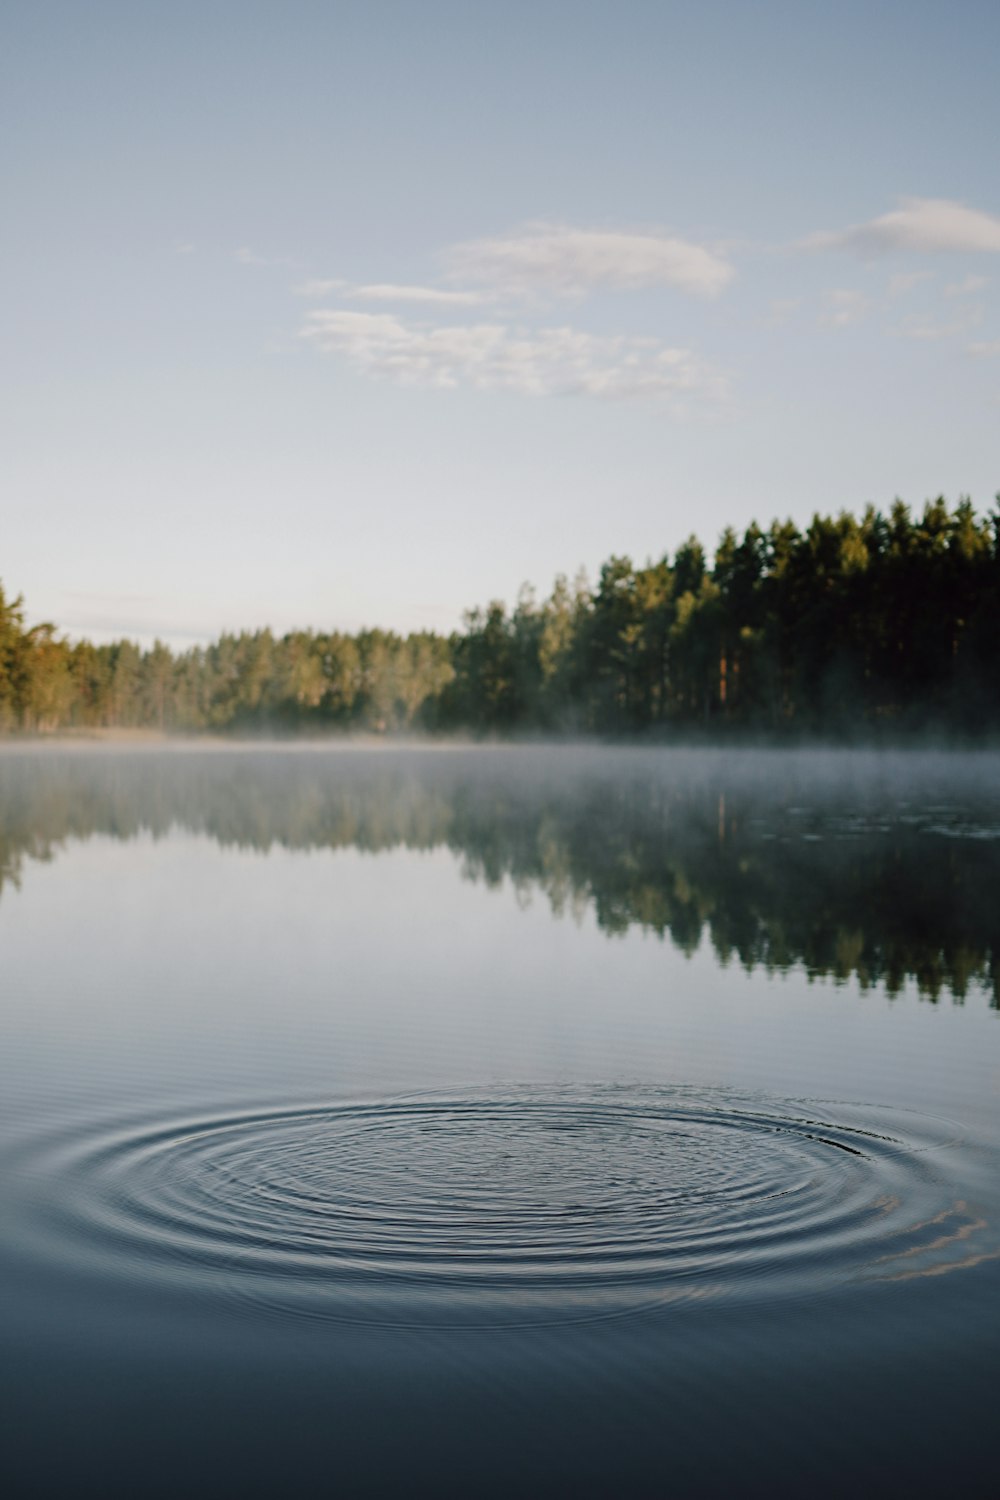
x=918 y=224
x=917 y=326
x=902 y=282
x=844 y=307
x=392 y=292
x=249 y=257
x=317 y=287
x=781 y=310
x=967 y=287
x=987 y=350
x=491 y=356
x=567 y=262
x=108 y=616
x=430 y=295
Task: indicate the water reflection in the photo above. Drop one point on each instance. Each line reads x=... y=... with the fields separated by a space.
x=880 y=868
x=344 y=1159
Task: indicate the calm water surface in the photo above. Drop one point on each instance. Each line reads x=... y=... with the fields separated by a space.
x=577 y=1121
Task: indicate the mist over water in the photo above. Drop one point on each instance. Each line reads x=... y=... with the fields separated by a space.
x=846 y=862
x=558 y=1117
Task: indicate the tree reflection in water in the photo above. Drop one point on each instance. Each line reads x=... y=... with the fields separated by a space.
x=883 y=869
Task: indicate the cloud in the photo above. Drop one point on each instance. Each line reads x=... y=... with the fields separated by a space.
x=389 y=292
x=926 y=225
x=566 y=262
x=916 y=326
x=844 y=307
x=967 y=286
x=781 y=310
x=989 y=350
x=317 y=288
x=248 y=257
x=902 y=282
x=490 y=356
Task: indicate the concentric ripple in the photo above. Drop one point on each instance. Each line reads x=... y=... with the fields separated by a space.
x=531 y=1205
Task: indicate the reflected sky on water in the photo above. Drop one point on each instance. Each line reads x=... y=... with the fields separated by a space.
x=565 y=1106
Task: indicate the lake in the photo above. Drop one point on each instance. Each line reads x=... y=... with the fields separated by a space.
x=554 y=1120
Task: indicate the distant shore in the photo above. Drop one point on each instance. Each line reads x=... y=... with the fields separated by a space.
x=870 y=629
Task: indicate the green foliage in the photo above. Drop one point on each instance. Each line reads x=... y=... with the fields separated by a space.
x=853 y=625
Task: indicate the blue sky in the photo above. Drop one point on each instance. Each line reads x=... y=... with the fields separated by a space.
x=342 y=314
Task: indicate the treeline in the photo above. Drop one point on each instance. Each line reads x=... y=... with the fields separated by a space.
x=878 y=622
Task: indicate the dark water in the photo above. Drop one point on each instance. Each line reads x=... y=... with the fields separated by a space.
x=559 y=1121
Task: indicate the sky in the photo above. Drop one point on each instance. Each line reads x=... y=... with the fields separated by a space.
x=345 y=314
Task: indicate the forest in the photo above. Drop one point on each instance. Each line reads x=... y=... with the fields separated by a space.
x=887 y=623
